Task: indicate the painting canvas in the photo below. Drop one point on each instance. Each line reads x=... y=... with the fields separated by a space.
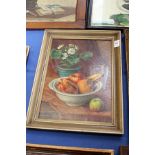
x=51 y=10
x=70 y=98
x=78 y=82
x=109 y=13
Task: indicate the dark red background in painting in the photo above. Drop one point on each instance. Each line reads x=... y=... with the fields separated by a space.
x=54 y=108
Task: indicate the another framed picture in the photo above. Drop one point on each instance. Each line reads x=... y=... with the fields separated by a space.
x=124 y=150
x=126 y=32
x=78 y=83
x=112 y=14
x=35 y=149
x=42 y=14
x=27 y=51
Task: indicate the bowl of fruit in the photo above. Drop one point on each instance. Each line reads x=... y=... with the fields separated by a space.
x=76 y=90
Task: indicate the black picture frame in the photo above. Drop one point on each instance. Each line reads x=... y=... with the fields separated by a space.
x=103 y=27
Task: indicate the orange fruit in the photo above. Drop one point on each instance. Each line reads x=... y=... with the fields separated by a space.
x=84 y=86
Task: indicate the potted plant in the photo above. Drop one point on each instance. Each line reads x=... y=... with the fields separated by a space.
x=69 y=58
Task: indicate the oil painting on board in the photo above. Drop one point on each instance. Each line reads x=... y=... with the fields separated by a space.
x=77 y=84
x=51 y=10
x=77 y=76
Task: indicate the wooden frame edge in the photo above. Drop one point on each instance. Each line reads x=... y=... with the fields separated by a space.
x=124 y=150
x=80 y=22
x=65 y=148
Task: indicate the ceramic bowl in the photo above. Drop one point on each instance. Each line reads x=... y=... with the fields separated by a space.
x=74 y=99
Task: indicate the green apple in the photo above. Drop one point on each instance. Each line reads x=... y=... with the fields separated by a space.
x=95 y=104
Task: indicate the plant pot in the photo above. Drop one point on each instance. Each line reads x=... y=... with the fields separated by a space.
x=64 y=72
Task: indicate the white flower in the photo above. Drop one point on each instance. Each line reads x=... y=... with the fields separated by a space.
x=60 y=46
x=65 y=55
x=76 y=47
x=71 y=45
x=71 y=51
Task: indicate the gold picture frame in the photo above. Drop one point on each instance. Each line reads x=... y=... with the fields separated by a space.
x=32 y=149
x=46 y=109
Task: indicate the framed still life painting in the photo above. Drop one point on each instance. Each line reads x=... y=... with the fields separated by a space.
x=108 y=14
x=78 y=82
x=35 y=149
x=55 y=14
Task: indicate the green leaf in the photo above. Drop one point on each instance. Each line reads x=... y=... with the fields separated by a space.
x=122 y=19
x=124 y=23
x=86 y=55
x=65 y=63
x=56 y=54
x=73 y=60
